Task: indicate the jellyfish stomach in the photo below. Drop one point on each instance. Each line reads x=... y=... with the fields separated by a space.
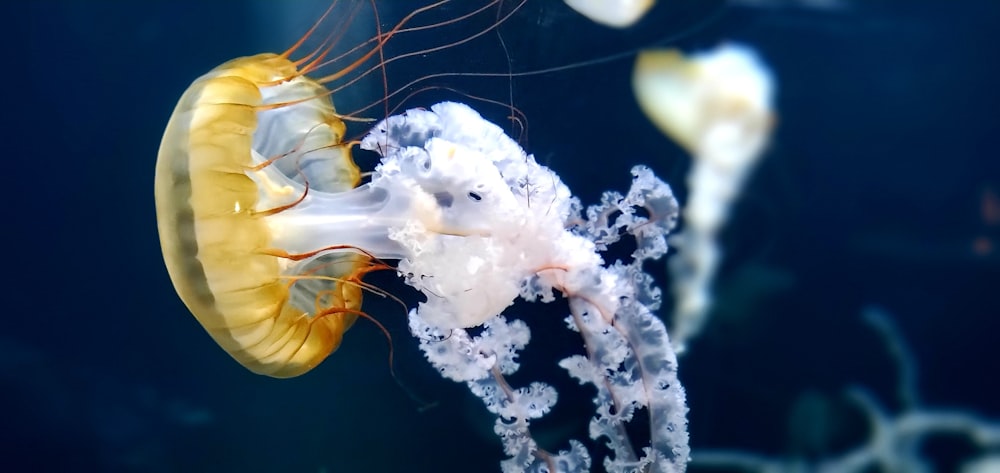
x=245 y=140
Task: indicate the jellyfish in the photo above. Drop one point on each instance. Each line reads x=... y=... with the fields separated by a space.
x=613 y=13
x=718 y=105
x=262 y=241
x=267 y=231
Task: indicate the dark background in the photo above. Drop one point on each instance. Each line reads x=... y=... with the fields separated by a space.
x=877 y=190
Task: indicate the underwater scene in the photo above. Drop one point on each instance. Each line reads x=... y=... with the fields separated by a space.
x=322 y=236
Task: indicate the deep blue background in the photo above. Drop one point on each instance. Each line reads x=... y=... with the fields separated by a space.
x=872 y=193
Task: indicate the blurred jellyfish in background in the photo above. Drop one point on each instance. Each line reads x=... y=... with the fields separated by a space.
x=614 y=13
x=719 y=106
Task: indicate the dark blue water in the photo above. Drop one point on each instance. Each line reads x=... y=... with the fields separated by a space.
x=881 y=188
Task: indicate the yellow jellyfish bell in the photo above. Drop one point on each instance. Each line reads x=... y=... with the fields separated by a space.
x=213 y=230
x=248 y=142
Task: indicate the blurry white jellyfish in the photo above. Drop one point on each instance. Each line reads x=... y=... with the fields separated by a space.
x=718 y=106
x=721 y=98
x=613 y=13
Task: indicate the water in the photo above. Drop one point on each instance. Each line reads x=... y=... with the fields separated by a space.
x=881 y=188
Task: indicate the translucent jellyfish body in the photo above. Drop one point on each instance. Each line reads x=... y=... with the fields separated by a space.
x=487 y=216
x=489 y=225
